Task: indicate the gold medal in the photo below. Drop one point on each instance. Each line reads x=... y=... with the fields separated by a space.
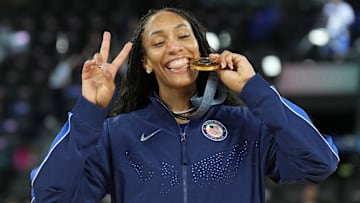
x=204 y=64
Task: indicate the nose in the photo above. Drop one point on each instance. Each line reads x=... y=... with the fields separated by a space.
x=174 y=46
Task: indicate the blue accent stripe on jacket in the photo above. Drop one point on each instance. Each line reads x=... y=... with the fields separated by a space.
x=60 y=136
x=302 y=114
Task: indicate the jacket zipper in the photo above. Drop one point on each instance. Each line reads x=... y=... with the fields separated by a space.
x=183 y=154
x=184 y=166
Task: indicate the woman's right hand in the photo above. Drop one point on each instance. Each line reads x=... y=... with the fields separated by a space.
x=98 y=75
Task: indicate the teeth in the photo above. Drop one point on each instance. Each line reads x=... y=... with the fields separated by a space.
x=178 y=63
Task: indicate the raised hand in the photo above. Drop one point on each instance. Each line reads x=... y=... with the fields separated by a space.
x=235 y=69
x=98 y=75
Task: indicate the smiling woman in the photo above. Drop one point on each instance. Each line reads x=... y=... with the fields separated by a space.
x=177 y=134
x=169 y=45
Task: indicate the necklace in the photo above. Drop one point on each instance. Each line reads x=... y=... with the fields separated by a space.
x=182 y=114
x=184 y=111
x=179 y=114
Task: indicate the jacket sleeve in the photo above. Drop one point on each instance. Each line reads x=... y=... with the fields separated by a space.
x=70 y=172
x=295 y=150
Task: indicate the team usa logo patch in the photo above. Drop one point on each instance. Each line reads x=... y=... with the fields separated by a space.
x=214 y=130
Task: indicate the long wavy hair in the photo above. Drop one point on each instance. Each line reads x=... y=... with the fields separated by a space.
x=136 y=86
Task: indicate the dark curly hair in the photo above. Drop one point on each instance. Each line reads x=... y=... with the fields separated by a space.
x=136 y=86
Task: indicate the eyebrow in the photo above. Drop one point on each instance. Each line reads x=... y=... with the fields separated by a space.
x=176 y=27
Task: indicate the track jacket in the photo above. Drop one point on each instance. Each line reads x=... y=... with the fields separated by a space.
x=145 y=157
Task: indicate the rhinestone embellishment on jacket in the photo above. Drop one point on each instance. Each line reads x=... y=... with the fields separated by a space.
x=219 y=168
x=148 y=173
x=145 y=173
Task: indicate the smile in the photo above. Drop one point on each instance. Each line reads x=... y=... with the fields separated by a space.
x=178 y=65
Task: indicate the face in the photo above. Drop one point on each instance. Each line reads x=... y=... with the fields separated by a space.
x=170 y=44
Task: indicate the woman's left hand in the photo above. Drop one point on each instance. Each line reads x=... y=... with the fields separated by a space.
x=235 y=70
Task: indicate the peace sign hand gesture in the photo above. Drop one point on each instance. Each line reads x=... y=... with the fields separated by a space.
x=98 y=75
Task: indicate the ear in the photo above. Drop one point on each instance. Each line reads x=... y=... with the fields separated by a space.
x=147 y=65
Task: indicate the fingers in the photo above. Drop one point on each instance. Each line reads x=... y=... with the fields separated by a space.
x=120 y=58
x=215 y=57
x=89 y=64
x=87 y=69
x=117 y=62
x=226 y=59
x=112 y=68
x=105 y=46
x=235 y=70
x=98 y=59
x=238 y=63
x=229 y=60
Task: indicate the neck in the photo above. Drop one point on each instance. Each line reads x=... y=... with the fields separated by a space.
x=177 y=100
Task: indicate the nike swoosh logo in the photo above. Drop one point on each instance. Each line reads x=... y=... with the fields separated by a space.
x=144 y=137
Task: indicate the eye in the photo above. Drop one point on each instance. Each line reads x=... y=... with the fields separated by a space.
x=158 y=44
x=183 y=36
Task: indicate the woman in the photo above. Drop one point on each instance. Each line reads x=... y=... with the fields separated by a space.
x=168 y=139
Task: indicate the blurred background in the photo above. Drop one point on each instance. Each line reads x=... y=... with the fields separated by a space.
x=309 y=49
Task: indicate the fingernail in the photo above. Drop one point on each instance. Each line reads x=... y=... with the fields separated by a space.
x=223 y=64
x=106 y=34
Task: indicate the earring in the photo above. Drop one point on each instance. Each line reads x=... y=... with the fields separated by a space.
x=148 y=71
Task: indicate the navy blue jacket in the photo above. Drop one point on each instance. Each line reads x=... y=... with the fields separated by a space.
x=145 y=156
